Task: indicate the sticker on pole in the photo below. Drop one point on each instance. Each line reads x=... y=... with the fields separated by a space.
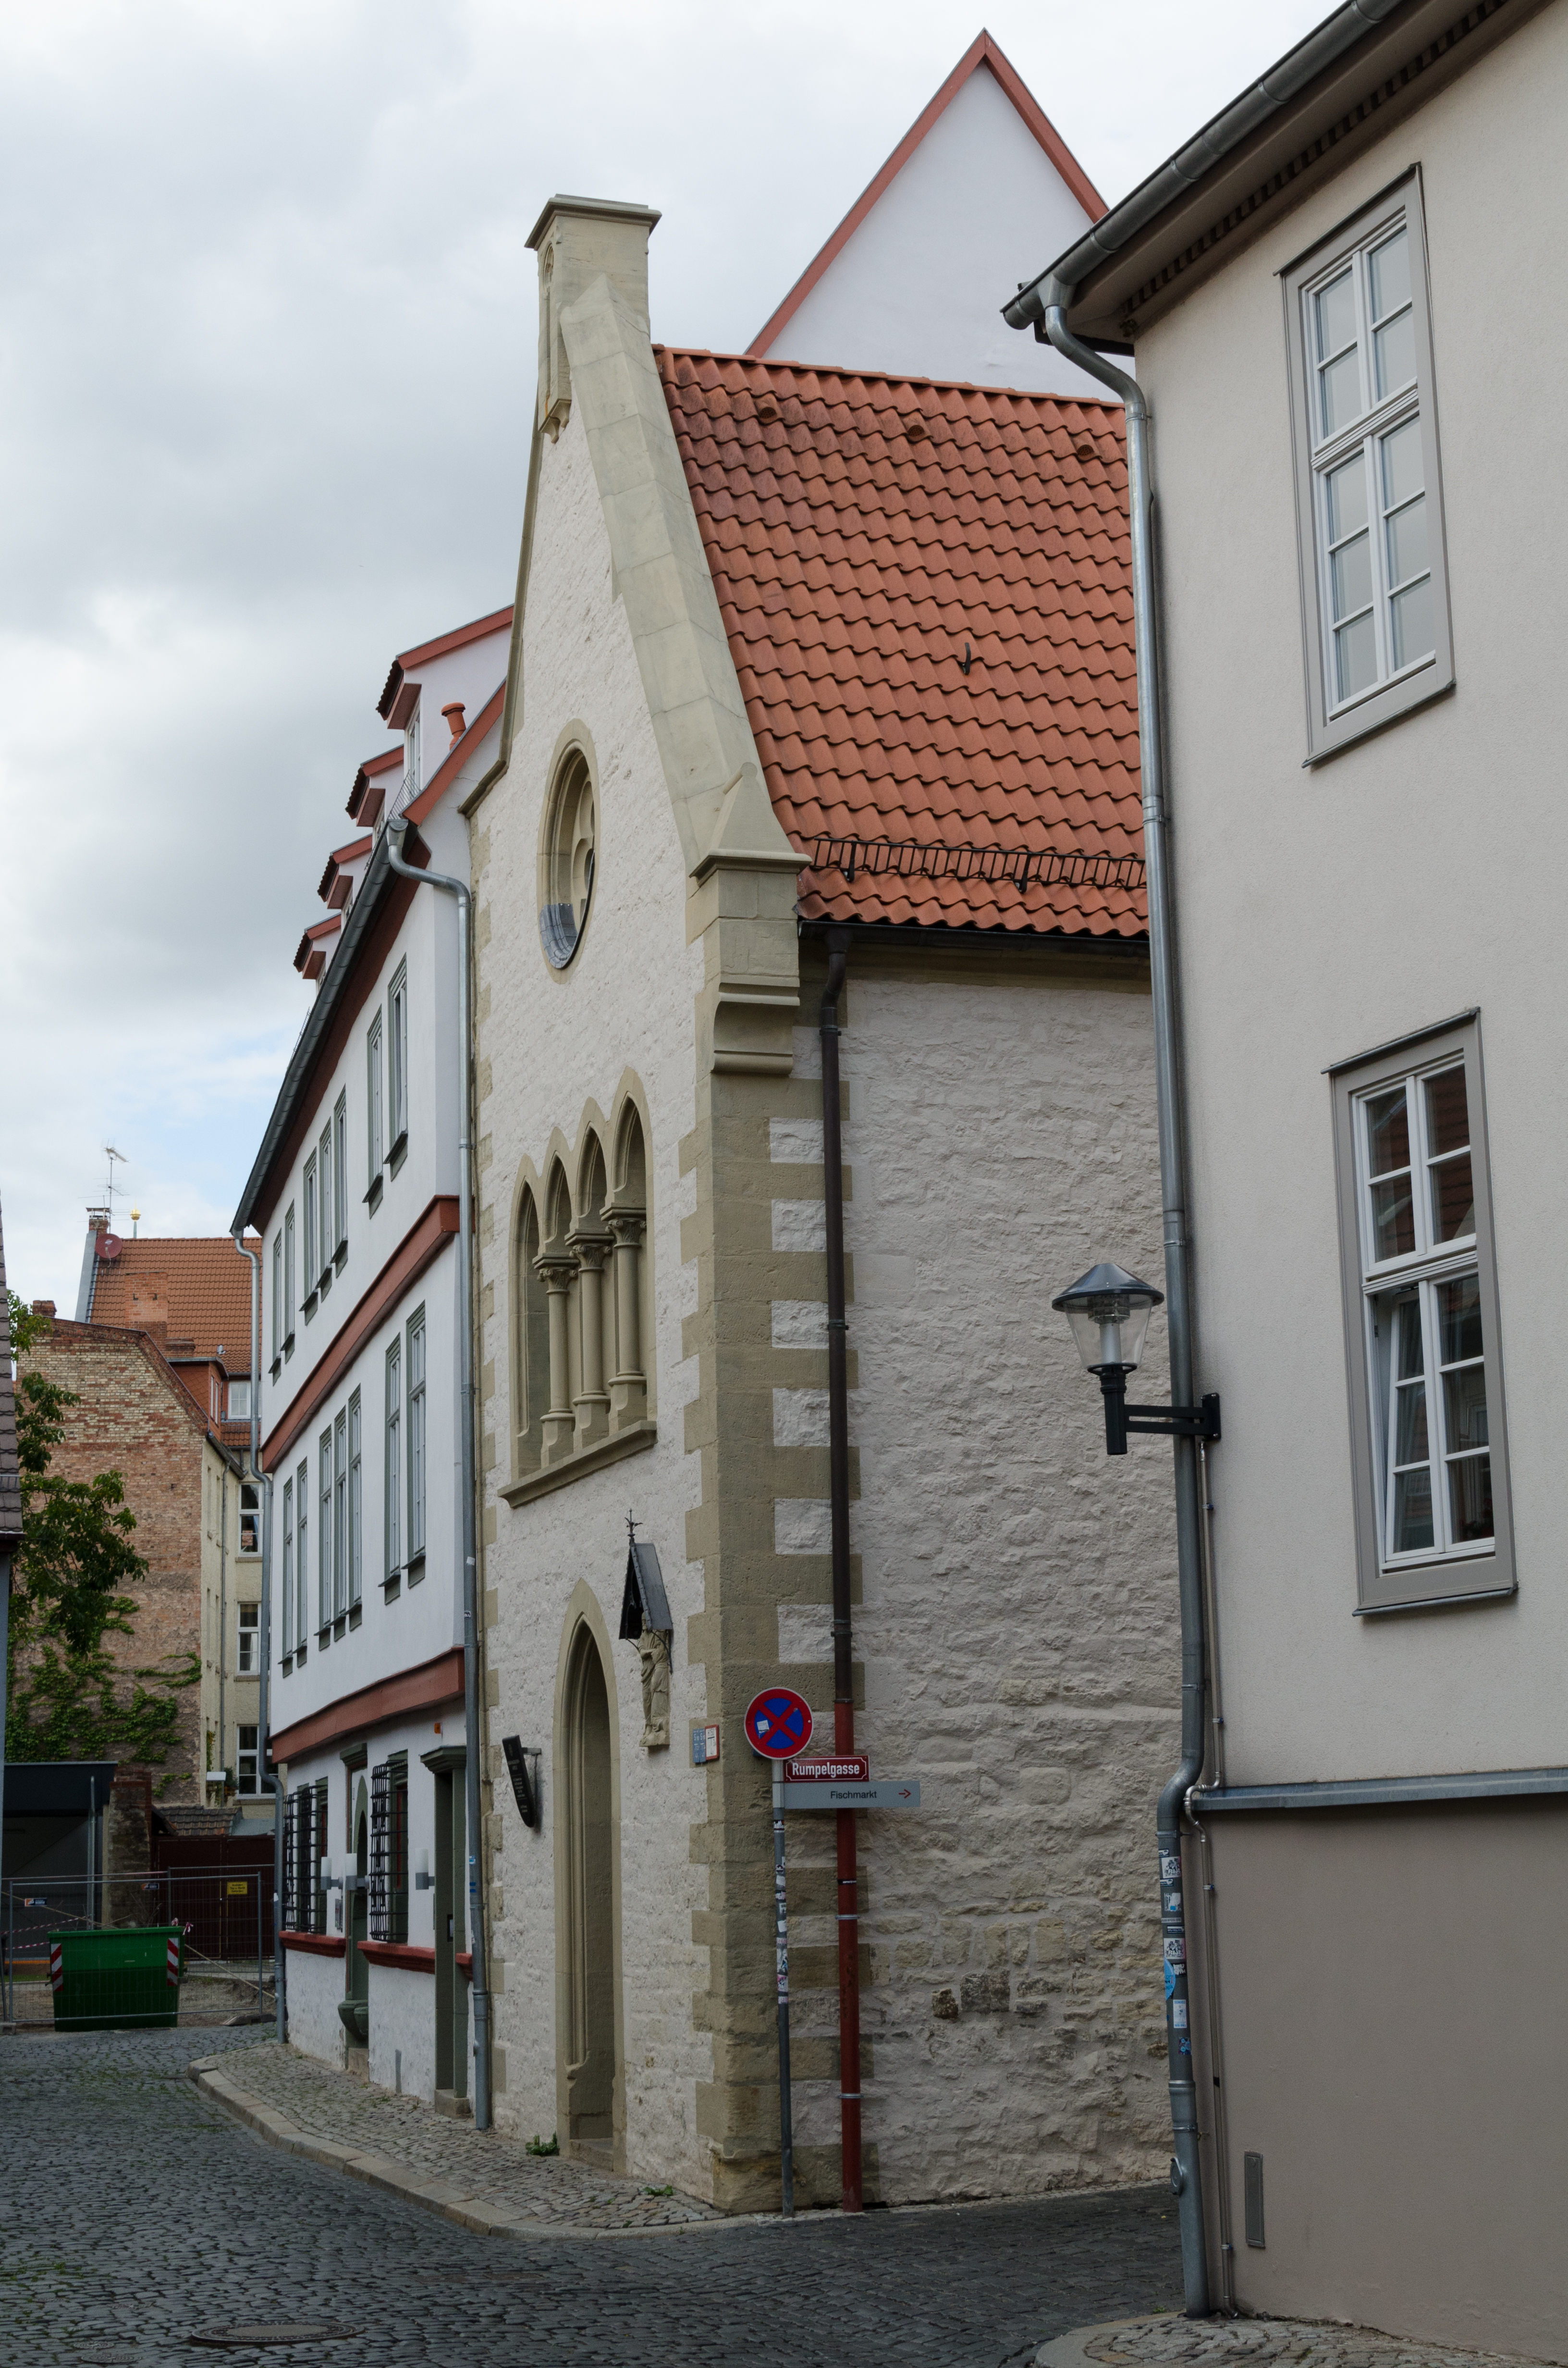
x=778 y=1722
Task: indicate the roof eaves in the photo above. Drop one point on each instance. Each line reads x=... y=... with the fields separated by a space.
x=1359 y=48
x=373 y=889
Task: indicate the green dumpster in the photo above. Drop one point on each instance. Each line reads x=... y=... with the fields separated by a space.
x=110 y=1980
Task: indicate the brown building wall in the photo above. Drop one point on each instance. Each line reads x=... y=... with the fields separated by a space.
x=134 y=1417
x=1393 y=2046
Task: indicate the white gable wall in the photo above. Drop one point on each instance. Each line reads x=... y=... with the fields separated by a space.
x=918 y=287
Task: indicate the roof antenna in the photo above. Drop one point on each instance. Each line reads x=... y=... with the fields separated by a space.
x=111 y=1155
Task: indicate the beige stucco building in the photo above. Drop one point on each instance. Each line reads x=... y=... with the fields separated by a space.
x=762 y=608
x=1330 y=300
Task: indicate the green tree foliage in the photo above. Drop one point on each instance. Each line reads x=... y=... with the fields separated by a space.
x=66 y=1699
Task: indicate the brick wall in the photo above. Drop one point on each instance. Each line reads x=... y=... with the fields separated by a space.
x=135 y=1418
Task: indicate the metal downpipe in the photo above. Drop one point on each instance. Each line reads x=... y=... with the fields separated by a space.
x=847 y=1894
x=1185 y=2177
x=479 y=1986
x=263 y=1740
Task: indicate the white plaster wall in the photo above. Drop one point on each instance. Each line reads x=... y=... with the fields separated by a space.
x=552 y=1044
x=1018 y=1627
x=402 y=2029
x=315 y=1985
x=1326 y=911
x=919 y=287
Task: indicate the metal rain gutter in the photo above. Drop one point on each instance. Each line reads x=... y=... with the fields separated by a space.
x=1059 y=281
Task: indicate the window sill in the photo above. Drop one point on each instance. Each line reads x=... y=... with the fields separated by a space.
x=287 y=1665
x=398 y=1153
x=373 y=1197
x=275 y=1369
x=578 y=1467
x=301 y=1655
x=340 y=1256
x=1433 y=1588
x=324 y=1638
x=288 y=1347
x=340 y=1626
x=308 y=1309
x=356 y=1614
x=391 y=1588
x=416 y=1570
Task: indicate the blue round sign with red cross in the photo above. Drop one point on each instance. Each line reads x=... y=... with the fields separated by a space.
x=778 y=1722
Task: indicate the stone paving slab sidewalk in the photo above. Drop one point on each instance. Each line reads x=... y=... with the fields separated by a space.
x=1172 y=2341
x=482 y=2181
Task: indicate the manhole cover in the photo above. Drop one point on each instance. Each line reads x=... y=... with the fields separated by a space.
x=273 y=2331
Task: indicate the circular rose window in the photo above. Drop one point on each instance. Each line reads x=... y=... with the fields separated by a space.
x=566 y=860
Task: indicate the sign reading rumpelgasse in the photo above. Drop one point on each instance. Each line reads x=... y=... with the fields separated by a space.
x=845 y=1767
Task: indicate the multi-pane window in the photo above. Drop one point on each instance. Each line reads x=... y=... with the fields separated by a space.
x=376 y=1146
x=1371 y=518
x=302 y=1560
x=416 y=1437
x=356 y=1505
x=311 y=1242
x=288 y=1566
x=340 y=1172
x=321 y=1274
x=394 y=1460
x=239 y=1402
x=1425 y=1302
x=250 y=1518
x=250 y=1640
x=249 y=1761
x=324 y=1526
x=1429 y=1368
x=290 y=1299
x=277 y=1296
x=340 y=1515
x=397 y=1056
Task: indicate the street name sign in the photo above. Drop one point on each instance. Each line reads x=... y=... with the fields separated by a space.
x=839 y=1768
x=888 y=1792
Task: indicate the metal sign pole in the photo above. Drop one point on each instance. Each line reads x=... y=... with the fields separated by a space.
x=781 y=1952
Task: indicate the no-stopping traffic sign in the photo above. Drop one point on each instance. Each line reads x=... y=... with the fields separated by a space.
x=778 y=1722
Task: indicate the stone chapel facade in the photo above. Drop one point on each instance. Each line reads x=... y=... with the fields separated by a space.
x=770 y=617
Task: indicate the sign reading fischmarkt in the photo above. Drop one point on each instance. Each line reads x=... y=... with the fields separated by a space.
x=887 y=1792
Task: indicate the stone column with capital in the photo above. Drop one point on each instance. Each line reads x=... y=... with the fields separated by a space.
x=591 y=1404
x=628 y=1384
x=556 y=1269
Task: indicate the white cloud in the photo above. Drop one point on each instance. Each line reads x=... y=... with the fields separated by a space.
x=266 y=346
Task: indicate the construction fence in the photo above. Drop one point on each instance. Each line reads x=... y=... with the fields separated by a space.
x=209 y=1927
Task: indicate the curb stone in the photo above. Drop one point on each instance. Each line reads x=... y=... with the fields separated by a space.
x=1071 y=2350
x=477 y=2211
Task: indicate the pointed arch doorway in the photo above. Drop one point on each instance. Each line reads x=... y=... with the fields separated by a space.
x=588 y=1919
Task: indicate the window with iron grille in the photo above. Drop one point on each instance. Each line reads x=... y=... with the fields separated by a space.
x=380 y=1851
x=291 y=1865
x=318 y=1857
x=398 y=1850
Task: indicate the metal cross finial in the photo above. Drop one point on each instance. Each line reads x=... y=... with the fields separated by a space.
x=631 y=1528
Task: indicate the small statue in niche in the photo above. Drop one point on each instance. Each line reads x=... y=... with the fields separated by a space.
x=653 y=1647
x=645 y=1621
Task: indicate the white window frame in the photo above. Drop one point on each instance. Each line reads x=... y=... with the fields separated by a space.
x=418 y=1436
x=324 y=1542
x=288 y=1567
x=397 y=1062
x=247 y=1762
x=328 y=1208
x=1333 y=722
x=340 y=1515
x=278 y=1295
x=375 y=1142
x=394 y=1465
x=247 y=1659
x=308 y=1200
x=290 y=1302
x=303 y=1563
x=356 y=1505
x=340 y=1171
x=1391 y=1579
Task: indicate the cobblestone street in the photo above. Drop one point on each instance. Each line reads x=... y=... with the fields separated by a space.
x=135 y=2214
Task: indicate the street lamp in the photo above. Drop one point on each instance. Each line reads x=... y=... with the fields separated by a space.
x=1109 y=1311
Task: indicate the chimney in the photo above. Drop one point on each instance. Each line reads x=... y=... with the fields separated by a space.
x=578 y=240
x=44 y=1308
x=453 y=712
x=97 y=1223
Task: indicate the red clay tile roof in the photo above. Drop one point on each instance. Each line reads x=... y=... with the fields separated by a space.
x=855 y=563
x=198 y=1286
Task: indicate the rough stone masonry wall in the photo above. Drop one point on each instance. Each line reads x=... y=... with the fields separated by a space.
x=550 y=1048
x=135 y=1418
x=1018 y=1622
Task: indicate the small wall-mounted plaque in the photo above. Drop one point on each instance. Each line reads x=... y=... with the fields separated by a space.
x=704 y=1744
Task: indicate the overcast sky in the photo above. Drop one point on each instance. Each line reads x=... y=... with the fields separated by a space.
x=266 y=357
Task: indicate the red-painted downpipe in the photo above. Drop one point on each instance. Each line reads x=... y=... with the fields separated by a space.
x=839 y=1498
